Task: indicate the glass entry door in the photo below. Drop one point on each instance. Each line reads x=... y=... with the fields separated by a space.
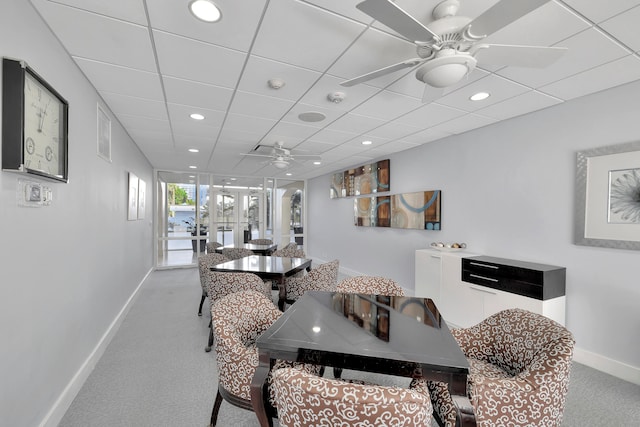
x=238 y=216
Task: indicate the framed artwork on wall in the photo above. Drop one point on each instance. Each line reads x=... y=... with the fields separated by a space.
x=104 y=135
x=608 y=197
x=132 y=201
x=142 y=194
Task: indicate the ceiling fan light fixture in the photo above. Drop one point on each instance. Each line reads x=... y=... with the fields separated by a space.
x=446 y=69
x=280 y=163
x=205 y=10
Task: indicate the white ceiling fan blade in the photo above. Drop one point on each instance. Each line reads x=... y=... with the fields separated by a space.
x=382 y=72
x=500 y=15
x=391 y=15
x=518 y=56
x=256 y=155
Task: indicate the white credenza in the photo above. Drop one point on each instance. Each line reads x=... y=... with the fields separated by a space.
x=498 y=284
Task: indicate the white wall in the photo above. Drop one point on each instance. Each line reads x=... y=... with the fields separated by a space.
x=508 y=191
x=66 y=270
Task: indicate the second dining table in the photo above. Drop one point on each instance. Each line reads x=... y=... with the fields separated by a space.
x=267 y=268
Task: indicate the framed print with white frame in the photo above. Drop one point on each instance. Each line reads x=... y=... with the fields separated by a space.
x=608 y=197
x=132 y=201
x=142 y=194
x=104 y=135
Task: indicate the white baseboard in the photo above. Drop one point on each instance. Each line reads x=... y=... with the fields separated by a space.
x=604 y=364
x=62 y=404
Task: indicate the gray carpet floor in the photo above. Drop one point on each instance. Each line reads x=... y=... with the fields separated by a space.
x=155 y=371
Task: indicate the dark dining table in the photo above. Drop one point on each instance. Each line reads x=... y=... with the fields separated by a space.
x=268 y=268
x=257 y=249
x=401 y=336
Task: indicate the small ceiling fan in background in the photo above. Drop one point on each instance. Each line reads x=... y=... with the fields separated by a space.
x=279 y=156
x=450 y=47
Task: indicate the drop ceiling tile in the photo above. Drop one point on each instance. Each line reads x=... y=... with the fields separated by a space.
x=179 y=116
x=464 y=124
x=598 y=11
x=259 y=71
x=354 y=123
x=250 y=124
x=152 y=139
x=314 y=147
x=427 y=135
x=318 y=93
x=99 y=37
x=260 y=106
x=625 y=28
x=290 y=133
x=132 y=11
x=519 y=105
x=545 y=26
x=332 y=136
x=123 y=80
x=311 y=38
x=236 y=29
x=393 y=130
x=372 y=51
x=429 y=115
x=579 y=57
x=190 y=59
x=499 y=88
x=131 y=106
x=204 y=144
x=234 y=137
x=609 y=75
x=196 y=94
x=132 y=123
x=387 y=105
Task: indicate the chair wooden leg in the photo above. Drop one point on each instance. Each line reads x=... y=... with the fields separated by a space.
x=201 y=302
x=210 y=342
x=216 y=409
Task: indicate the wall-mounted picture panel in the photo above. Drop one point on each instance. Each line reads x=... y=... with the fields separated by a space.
x=419 y=210
x=372 y=211
x=365 y=179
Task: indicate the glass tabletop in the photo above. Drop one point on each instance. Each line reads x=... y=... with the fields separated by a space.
x=407 y=332
x=263 y=264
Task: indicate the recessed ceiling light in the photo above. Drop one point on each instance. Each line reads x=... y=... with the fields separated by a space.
x=196 y=116
x=317 y=163
x=479 y=96
x=194 y=150
x=288 y=174
x=311 y=116
x=233 y=179
x=205 y=10
x=367 y=142
x=193 y=167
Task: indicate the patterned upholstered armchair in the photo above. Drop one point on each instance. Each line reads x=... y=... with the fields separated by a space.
x=322 y=278
x=519 y=371
x=261 y=241
x=236 y=253
x=307 y=400
x=238 y=320
x=212 y=246
x=290 y=251
x=370 y=285
x=204 y=262
x=222 y=284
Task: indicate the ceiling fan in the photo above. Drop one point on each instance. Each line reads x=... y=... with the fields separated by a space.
x=449 y=47
x=279 y=156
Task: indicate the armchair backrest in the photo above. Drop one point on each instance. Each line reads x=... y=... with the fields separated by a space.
x=290 y=251
x=222 y=284
x=204 y=262
x=236 y=253
x=515 y=340
x=306 y=400
x=212 y=246
x=261 y=241
x=238 y=319
x=370 y=285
